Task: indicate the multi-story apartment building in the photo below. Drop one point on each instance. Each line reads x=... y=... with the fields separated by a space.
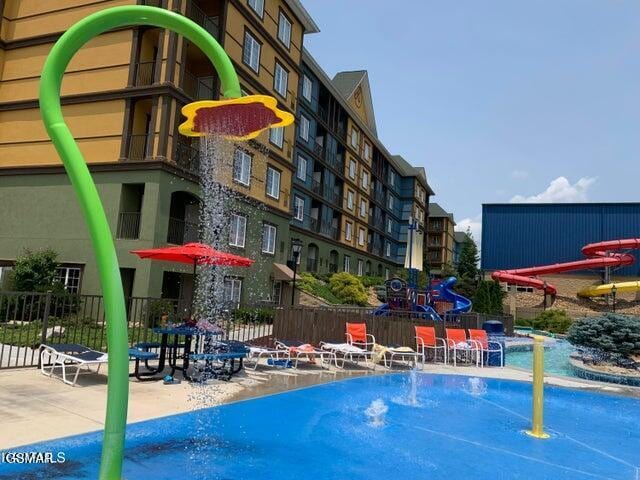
x=459 y=238
x=327 y=180
x=121 y=96
x=351 y=199
x=440 y=239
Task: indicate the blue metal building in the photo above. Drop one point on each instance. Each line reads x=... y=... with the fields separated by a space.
x=517 y=235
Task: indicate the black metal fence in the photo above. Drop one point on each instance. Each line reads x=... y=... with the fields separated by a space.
x=28 y=320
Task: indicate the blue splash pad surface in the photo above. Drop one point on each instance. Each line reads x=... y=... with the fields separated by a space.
x=461 y=428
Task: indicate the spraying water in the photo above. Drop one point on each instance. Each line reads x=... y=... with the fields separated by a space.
x=375 y=412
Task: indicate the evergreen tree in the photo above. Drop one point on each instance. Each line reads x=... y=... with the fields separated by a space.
x=469 y=258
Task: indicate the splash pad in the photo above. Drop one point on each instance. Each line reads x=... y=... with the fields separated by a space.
x=236 y=112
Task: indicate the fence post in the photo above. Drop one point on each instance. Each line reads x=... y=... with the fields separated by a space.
x=45 y=317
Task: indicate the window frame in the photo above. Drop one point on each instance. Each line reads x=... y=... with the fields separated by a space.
x=234 y=224
x=297 y=197
x=360 y=267
x=247 y=33
x=357 y=137
x=282 y=15
x=348 y=231
x=285 y=72
x=361 y=237
x=351 y=199
x=266 y=182
x=272 y=228
x=304 y=121
x=305 y=79
x=233 y=281
x=363 y=184
x=277 y=129
x=363 y=203
x=259 y=14
x=235 y=157
x=353 y=163
x=300 y=158
x=346 y=264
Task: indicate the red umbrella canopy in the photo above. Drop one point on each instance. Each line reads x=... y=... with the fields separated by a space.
x=195 y=253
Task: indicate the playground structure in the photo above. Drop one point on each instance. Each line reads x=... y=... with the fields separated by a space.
x=607 y=254
x=438 y=300
x=233 y=117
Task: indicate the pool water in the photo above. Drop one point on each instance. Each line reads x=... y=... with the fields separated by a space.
x=556 y=359
x=459 y=427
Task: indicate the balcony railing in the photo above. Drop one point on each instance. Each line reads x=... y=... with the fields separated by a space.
x=198 y=88
x=181 y=231
x=323 y=114
x=316 y=187
x=335 y=160
x=139 y=145
x=312 y=264
x=335 y=197
x=314 y=224
x=128 y=225
x=187 y=157
x=317 y=149
x=210 y=24
x=333 y=268
x=145 y=73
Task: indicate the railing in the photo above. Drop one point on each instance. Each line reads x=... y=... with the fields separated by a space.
x=312 y=264
x=145 y=73
x=139 y=146
x=335 y=197
x=316 y=187
x=128 y=225
x=323 y=114
x=210 y=24
x=375 y=249
x=317 y=149
x=198 y=88
x=29 y=319
x=335 y=160
x=187 y=157
x=181 y=232
x=314 y=224
x=333 y=268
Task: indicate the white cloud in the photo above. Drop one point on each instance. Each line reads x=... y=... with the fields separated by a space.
x=560 y=190
x=474 y=224
x=520 y=174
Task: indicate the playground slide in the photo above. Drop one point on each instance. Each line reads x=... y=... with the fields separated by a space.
x=599 y=290
x=444 y=292
x=600 y=256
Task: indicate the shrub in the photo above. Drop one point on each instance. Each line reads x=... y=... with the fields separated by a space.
x=612 y=335
x=35 y=271
x=488 y=298
x=253 y=315
x=310 y=284
x=348 y=288
x=156 y=309
x=371 y=281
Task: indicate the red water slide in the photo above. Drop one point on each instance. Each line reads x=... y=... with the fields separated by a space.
x=600 y=256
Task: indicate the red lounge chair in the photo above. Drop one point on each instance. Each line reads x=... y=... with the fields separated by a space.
x=426 y=340
x=457 y=342
x=484 y=345
x=357 y=335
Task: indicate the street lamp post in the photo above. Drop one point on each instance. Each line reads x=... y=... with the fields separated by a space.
x=413 y=273
x=614 y=290
x=296 y=248
x=544 y=289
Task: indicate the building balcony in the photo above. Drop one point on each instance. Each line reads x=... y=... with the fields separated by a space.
x=317 y=188
x=323 y=114
x=210 y=24
x=187 y=157
x=144 y=73
x=375 y=249
x=181 y=231
x=317 y=149
x=128 y=225
x=139 y=146
x=198 y=88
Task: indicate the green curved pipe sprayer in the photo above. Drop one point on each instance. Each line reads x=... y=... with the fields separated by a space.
x=92 y=209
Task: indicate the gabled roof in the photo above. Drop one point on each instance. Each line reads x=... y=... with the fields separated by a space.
x=303 y=15
x=407 y=170
x=459 y=237
x=347 y=84
x=436 y=211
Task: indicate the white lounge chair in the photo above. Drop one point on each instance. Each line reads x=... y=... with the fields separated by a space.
x=296 y=349
x=69 y=355
x=348 y=352
x=277 y=356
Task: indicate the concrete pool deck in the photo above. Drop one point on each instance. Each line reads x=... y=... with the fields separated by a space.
x=34 y=407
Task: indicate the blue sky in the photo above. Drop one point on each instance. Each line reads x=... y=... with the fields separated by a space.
x=499 y=100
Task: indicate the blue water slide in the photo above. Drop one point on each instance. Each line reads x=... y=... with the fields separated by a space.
x=460 y=304
x=423 y=311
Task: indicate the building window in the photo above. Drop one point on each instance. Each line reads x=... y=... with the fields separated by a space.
x=269 y=233
x=392 y=178
x=232 y=290
x=348 y=231
x=363 y=208
x=280 y=80
x=298 y=208
x=350 y=200
x=360 y=267
x=251 y=52
x=367 y=151
x=70 y=278
x=238 y=230
x=276 y=293
x=386 y=274
x=355 y=140
x=352 y=169
x=257 y=6
x=361 y=234
x=365 y=180
x=301 y=171
x=284 y=30
x=388 y=250
x=304 y=128
x=273 y=183
x=242 y=167
x=347 y=263
x=307 y=88
x=276 y=136
x=389 y=225
x=390 y=202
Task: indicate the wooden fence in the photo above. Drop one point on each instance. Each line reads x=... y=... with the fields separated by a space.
x=315 y=325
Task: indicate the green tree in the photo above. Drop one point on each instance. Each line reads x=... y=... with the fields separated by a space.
x=349 y=289
x=36 y=271
x=488 y=298
x=469 y=258
x=614 y=336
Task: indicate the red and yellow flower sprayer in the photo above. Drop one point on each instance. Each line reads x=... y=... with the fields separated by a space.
x=235 y=117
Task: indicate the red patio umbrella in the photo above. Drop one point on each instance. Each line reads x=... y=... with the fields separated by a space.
x=194 y=254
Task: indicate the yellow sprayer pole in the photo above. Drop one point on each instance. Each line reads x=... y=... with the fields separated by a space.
x=537 y=430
